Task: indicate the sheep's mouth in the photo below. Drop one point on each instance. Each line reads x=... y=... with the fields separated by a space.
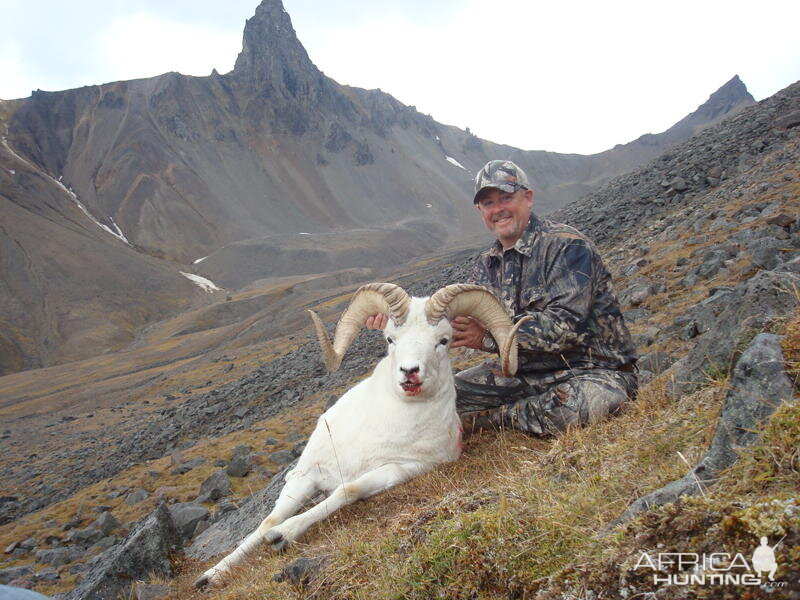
x=411 y=388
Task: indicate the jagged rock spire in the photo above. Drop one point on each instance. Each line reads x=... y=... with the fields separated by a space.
x=271 y=51
x=733 y=93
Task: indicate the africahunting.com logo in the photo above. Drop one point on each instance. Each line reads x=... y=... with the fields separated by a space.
x=715 y=568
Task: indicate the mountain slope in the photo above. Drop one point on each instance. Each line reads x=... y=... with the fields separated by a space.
x=268 y=170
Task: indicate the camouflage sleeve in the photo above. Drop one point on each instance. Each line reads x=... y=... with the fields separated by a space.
x=559 y=317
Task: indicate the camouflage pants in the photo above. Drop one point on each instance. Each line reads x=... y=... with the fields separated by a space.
x=540 y=404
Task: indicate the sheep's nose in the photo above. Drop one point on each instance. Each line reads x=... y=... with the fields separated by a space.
x=408 y=370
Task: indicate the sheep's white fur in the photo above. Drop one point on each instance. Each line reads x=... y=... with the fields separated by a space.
x=376 y=436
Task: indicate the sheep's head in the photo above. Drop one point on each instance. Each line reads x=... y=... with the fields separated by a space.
x=419 y=331
x=417 y=351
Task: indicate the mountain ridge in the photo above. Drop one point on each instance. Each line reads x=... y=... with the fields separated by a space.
x=223 y=167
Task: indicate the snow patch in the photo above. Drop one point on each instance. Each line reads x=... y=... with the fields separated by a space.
x=117 y=234
x=199 y=260
x=453 y=161
x=204 y=283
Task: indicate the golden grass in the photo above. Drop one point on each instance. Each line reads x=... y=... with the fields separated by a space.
x=512 y=508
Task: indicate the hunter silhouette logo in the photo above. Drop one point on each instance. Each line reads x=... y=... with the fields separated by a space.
x=764 y=558
x=715 y=568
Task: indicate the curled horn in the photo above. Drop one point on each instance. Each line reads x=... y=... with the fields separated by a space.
x=475 y=301
x=369 y=299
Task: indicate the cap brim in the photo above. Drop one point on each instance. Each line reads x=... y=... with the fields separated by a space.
x=504 y=187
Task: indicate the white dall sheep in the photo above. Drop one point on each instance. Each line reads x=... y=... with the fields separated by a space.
x=398 y=423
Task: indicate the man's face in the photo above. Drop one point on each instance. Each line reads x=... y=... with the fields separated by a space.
x=506 y=214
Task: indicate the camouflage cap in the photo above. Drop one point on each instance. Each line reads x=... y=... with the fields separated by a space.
x=500 y=174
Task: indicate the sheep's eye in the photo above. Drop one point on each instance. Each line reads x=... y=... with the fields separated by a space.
x=390 y=340
x=443 y=341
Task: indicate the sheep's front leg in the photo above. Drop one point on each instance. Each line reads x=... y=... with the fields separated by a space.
x=370 y=483
x=292 y=496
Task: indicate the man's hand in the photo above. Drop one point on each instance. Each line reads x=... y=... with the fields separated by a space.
x=467 y=332
x=378 y=321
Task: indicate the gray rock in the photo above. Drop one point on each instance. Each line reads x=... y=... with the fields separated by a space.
x=678 y=184
x=152 y=591
x=731 y=319
x=282 y=457
x=766 y=252
x=46 y=575
x=758 y=385
x=106 y=523
x=302 y=571
x=188 y=465
x=201 y=527
x=145 y=552
x=176 y=458
x=217 y=485
x=102 y=545
x=788 y=120
x=28 y=544
x=241 y=450
x=12 y=573
x=186 y=516
x=86 y=536
x=11 y=547
x=655 y=362
x=781 y=219
x=57 y=557
x=135 y=497
x=239 y=466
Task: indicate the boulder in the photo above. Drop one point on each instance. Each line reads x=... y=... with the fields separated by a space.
x=12 y=573
x=241 y=450
x=86 y=536
x=758 y=385
x=135 y=497
x=186 y=515
x=239 y=466
x=187 y=466
x=302 y=571
x=728 y=321
x=106 y=523
x=58 y=557
x=281 y=457
x=217 y=485
x=142 y=554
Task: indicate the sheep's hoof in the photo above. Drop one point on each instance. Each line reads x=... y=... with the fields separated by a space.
x=276 y=539
x=201 y=581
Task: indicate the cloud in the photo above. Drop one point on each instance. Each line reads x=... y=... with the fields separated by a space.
x=573 y=76
x=144 y=45
x=16 y=80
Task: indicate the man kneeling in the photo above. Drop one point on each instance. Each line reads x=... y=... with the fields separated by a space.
x=577 y=363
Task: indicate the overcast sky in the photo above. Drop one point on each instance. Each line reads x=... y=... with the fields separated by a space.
x=564 y=76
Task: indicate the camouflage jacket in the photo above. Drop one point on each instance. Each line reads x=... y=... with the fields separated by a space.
x=554 y=274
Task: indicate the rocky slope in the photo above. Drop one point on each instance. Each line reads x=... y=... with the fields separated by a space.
x=262 y=171
x=701 y=243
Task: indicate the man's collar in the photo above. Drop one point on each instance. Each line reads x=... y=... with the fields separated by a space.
x=524 y=244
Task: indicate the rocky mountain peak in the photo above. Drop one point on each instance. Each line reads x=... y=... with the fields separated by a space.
x=271 y=51
x=733 y=93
